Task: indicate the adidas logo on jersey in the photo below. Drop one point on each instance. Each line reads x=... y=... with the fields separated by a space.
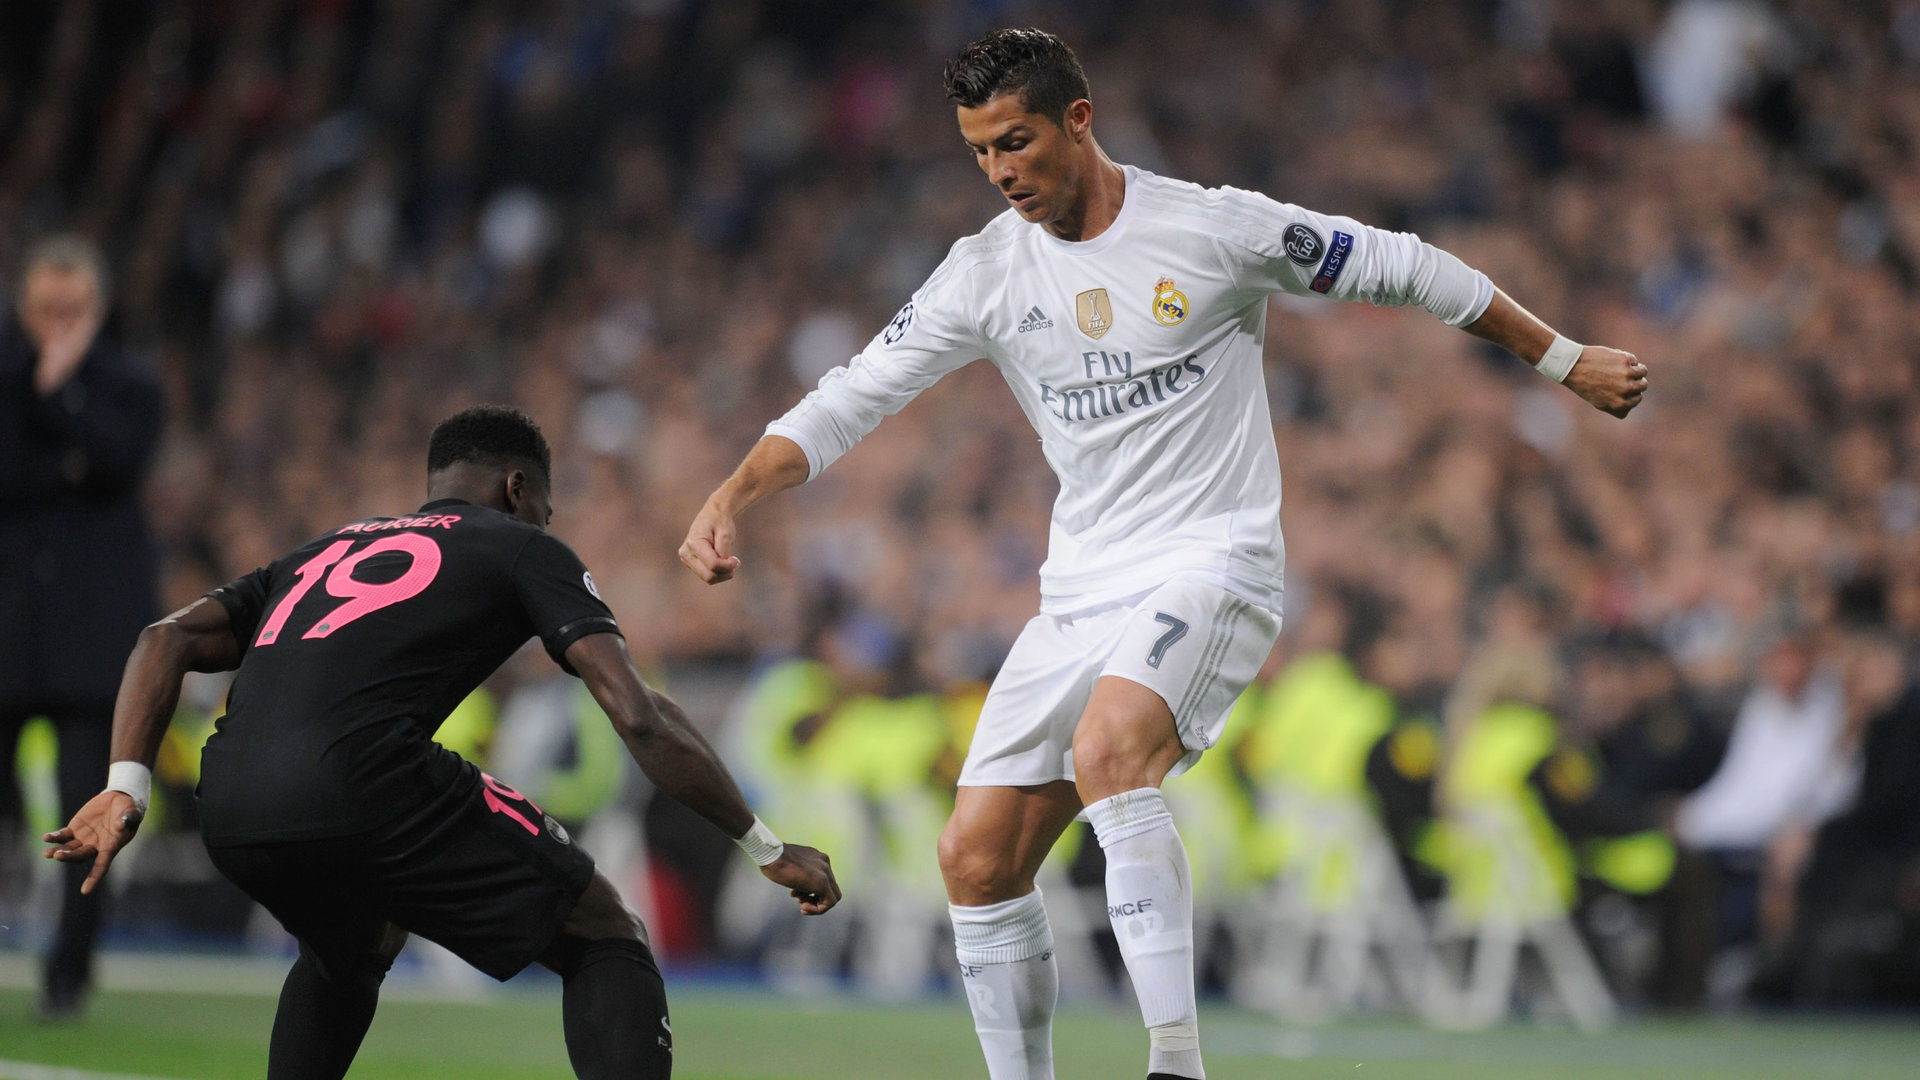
x=1035 y=320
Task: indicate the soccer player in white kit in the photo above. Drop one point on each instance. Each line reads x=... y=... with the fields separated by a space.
x=1127 y=312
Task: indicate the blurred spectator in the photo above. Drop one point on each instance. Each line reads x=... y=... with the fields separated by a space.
x=78 y=421
x=1786 y=764
x=1787 y=768
x=1516 y=662
x=1844 y=901
x=1709 y=55
x=1653 y=744
x=1632 y=705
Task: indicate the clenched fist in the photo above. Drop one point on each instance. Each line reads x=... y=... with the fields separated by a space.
x=1608 y=379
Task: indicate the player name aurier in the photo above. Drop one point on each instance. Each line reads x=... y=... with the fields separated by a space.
x=1126 y=392
x=429 y=521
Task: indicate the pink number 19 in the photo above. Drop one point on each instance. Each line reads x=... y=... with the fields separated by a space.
x=361 y=597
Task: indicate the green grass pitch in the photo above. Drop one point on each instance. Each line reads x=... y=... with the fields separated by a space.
x=732 y=1035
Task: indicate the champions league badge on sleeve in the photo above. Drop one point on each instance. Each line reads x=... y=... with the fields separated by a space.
x=1169 y=303
x=897 y=329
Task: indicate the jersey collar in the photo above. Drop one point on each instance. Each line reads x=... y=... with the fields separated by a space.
x=1106 y=239
x=438 y=503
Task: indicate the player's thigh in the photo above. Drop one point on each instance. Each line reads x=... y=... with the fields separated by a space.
x=602 y=914
x=1025 y=734
x=1196 y=646
x=315 y=890
x=1126 y=739
x=997 y=838
x=495 y=882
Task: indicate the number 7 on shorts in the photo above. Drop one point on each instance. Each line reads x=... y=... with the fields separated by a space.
x=1176 y=629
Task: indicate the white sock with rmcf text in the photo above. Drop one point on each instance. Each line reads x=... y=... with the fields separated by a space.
x=1007 y=967
x=1150 y=901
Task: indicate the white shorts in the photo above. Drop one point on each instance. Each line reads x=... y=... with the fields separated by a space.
x=1192 y=642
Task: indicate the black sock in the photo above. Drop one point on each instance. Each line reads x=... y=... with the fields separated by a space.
x=324 y=1013
x=615 y=1011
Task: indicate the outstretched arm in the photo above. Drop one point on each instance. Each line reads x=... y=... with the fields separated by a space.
x=775 y=464
x=1608 y=379
x=198 y=637
x=1283 y=248
x=933 y=334
x=674 y=756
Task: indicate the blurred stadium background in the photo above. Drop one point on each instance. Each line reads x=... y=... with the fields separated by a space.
x=1607 y=725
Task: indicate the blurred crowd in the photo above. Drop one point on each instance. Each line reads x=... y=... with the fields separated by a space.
x=655 y=223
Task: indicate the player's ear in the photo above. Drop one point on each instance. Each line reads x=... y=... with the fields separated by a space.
x=516 y=481
x=1078 y=120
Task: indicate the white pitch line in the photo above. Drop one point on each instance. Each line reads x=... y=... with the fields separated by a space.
x=27 y=1070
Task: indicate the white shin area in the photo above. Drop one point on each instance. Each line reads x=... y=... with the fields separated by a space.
x=1150 y=902
x=1007 y=966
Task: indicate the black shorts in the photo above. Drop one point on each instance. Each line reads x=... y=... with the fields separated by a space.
x=493 y=880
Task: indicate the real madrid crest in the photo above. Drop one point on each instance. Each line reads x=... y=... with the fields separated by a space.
x=1169 y=303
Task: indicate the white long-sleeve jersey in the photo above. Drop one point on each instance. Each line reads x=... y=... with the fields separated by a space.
x=1137 y=357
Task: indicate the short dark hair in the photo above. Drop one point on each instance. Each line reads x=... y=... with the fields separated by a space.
x=72 y=253
x=497 y=435
x=1038 y=65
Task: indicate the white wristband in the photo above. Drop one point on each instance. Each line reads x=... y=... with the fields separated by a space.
x=1559 y=358
x=761 y=845
x=133 y=778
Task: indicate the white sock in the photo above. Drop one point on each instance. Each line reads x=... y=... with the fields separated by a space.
x=1150 y=900
x=1007 y=967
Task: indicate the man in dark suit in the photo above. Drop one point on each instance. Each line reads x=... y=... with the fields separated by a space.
x=78 y=423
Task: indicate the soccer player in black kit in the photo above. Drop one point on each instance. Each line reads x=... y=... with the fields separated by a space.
x=323 y=795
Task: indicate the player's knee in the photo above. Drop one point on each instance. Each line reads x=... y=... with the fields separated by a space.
x=352 y=970
x=1102 y=761
x=601 y=915
x=975 y=873
x=1115 y=751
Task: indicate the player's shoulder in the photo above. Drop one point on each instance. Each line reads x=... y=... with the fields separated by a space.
x=974 y=258
x=992 y=244
x=1166 y=197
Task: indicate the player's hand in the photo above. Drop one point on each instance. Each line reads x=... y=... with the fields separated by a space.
x=808 y=874
x=97 y=832
x=708 y=548
x=1608 y=379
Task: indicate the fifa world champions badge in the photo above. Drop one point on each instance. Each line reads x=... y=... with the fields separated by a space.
x=1095 y=313
x=1169 y=303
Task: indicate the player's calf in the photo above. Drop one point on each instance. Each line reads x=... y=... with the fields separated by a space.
x=326 y=1006
x=614 y=1011
x=614 y=1002
x=1150 y=902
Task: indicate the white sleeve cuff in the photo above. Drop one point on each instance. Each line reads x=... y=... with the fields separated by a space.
x=803 y=441
x=1456 y=294
x=1482 y=300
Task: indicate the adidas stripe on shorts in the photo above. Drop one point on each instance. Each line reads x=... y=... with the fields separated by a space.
x=1194 y=643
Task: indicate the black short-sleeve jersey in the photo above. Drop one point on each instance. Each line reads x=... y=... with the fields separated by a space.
x=356 y=646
